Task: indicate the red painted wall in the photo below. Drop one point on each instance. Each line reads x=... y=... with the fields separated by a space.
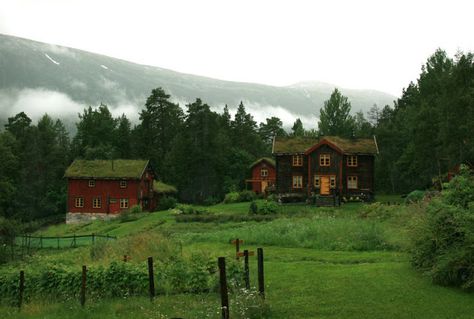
x=137 y=192
x=257 y=178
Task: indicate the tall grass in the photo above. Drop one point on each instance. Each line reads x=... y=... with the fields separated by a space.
x=347 y=234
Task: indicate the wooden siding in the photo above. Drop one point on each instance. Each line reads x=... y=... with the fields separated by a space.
x=333 y=169
x=257 y=178
x=138 y=192
x=286 y=171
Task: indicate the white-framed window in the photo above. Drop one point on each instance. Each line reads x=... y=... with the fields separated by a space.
x=297 y=160
x=123 y=202
x=332 y=181
x=352 y=161
x=264 y=172
x=91 y=183
x=297 y=181
x=324 y=160
x=317 y=181
x=96 y=202
x=352 y=182
x=123 y=184
x=79 y=202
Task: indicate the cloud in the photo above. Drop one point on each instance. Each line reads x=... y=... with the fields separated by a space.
x=261 y=112
x=59 y=50
x=36 y=102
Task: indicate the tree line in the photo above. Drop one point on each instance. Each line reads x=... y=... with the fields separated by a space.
x=207 y=154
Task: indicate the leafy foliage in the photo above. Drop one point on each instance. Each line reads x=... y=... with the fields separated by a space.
x=443 y=238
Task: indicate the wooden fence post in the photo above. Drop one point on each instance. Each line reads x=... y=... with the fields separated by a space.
x=83 y=285
x=21 y=288
x=261 y=281
x=151 y=278
x=237 y=248
x=246 y=269
x=223 y=288
x=28 y=242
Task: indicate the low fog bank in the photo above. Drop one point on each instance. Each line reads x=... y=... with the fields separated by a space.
x=36 y=102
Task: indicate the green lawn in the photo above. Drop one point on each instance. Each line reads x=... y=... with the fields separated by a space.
x=319 y=263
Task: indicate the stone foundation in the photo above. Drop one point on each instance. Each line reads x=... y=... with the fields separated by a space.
x=76 y=218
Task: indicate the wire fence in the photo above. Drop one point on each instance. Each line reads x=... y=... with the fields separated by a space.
x=24 y=245
x=58 y=242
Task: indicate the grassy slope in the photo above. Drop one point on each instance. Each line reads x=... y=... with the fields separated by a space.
x=300 y=282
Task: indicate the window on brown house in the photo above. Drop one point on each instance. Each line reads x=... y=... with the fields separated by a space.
x=91 y=183
x=97 y=202
x=317 y=181
x=79 y=202
x=332 y=181
x=264 y=172
x=352 y=182
x=352 y=160
x=297 y=181
x=297 y=160
x=123 y=202
x=324 y=160
x=123 y=184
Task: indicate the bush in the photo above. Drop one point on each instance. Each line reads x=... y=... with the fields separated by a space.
x=130 y=214
x=247 y=196
x=166 y=202
x=253 y=208
x=414 y=197
x=443 y=236
x=243 y=196
x=263 y=208
x=183 y=209
x=232 y=197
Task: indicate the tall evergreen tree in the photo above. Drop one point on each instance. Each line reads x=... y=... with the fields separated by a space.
x=160 y=122
x=297 y=129
x=335 y=118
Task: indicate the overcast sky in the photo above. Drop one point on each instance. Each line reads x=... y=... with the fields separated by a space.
x=356 y=44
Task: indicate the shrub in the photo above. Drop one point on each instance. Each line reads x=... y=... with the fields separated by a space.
x=166 y=202
x=263 y=208
x=243 y=196
x=183 y=209
x=414 y=197
x=443 y=236
x=247 y=196
x=232 y=197
x=130 y=214
x=253 y=208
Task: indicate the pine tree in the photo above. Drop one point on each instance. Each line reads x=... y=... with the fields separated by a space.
x=335 y=118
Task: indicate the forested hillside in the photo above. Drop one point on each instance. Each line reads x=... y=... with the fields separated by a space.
x=207 y=154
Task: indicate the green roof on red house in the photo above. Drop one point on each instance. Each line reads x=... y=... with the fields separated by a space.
x=301 y=144
x=107 y=169
x=269 y=160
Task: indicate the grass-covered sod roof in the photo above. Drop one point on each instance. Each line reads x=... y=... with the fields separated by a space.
x=269 y=160
x=106 y=169
x=162 y=188
x=300 y=144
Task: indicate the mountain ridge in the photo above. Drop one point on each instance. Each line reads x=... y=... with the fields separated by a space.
x=89 y=79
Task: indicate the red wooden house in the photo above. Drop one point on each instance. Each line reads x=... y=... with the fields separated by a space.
x=263 y=174
x=104 y=188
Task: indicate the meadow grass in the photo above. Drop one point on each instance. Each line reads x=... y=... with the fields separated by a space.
x=347 y=262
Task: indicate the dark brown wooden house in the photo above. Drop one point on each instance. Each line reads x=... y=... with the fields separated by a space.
x=263 y=175
x=333 y=167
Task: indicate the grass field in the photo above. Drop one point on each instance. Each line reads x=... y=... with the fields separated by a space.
x=348 y=262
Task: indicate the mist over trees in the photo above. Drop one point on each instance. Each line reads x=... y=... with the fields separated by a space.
x=207 y=154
